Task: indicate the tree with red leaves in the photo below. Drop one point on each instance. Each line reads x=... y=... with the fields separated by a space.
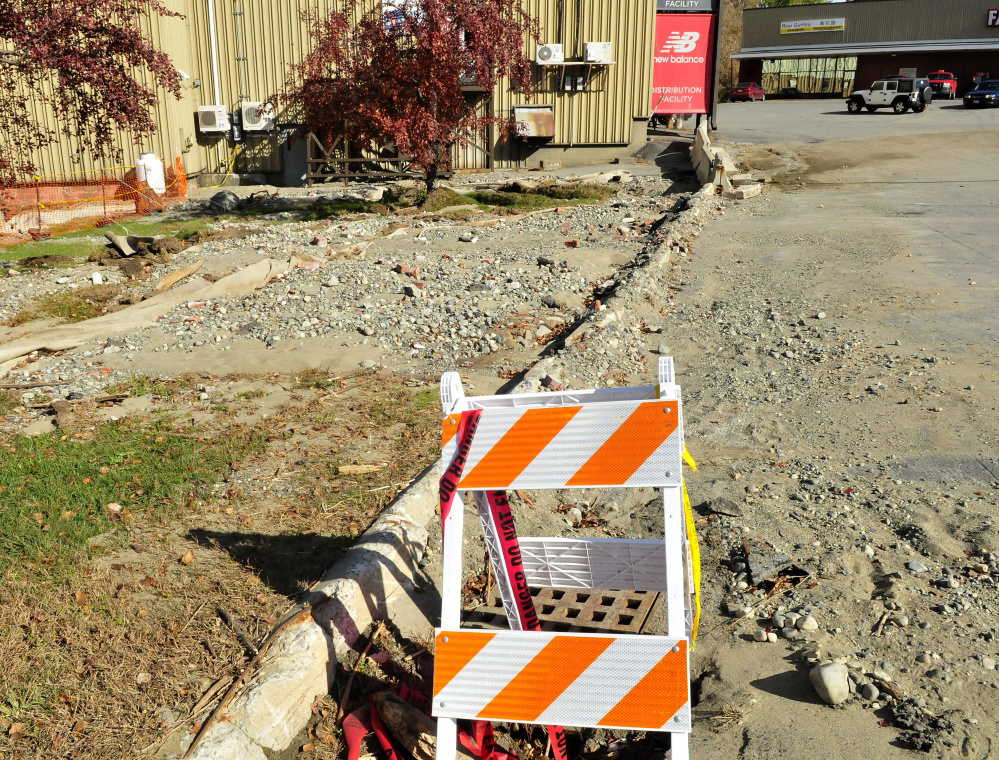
x=393 y=74
x=90 y=63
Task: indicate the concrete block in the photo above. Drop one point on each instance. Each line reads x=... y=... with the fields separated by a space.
x=297 y=669
x=378 y=574
x=745 y=191
x=741 y=179
x=233 y=180
x=226 y=742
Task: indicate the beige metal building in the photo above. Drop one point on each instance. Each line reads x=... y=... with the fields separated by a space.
x=234 y=52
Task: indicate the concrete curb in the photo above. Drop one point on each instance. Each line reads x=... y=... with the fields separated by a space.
x=377 y=574
x=364 y=585
x=713 y=165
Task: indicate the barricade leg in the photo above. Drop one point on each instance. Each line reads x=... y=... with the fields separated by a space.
x=677 y=600
x=447 y=729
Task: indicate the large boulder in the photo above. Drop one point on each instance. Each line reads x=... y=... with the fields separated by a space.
x=224 y=201
x=831 y=681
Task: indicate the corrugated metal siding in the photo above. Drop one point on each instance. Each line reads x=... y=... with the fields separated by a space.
x=475 y=154
x=616 y=95
x=878 y=21
x=276 y=37
x=57 y=159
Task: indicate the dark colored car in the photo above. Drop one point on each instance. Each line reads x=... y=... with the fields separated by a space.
x=787 y=92
x=748 y=91
x=985 y=93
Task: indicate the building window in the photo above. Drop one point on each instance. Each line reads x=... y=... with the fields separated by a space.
x=815 y=76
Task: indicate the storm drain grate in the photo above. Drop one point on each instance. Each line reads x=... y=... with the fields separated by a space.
x=573 y=609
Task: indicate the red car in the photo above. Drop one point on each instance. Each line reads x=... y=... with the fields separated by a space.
x=748 y=91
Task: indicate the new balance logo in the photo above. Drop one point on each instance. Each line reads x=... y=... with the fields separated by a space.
x=680 y=42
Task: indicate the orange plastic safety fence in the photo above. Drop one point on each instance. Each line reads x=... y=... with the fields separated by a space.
x=57 y=204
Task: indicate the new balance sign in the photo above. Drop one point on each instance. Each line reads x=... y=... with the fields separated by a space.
x=679 y=42
x=681 y=80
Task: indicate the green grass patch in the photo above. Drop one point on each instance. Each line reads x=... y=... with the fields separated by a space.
x=51 y=248
x=63 y=245
x=73 y=306
x=67 y=245
x=150 y=226
x=322 y=210
x=545 y=196
x=442 y=198
x=257 y=393
x=55 y=491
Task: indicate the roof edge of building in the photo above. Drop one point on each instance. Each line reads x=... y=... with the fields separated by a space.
x=844 y=49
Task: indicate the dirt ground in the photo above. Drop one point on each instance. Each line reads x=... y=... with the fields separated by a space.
x=835 y=342
x=123 y=650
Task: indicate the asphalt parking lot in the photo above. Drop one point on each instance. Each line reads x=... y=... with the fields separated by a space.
x=812 y=121
x=925 y=181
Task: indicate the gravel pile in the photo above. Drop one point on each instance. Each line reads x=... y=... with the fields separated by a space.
x=425 y=297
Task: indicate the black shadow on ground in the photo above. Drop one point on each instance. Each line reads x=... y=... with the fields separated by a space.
x=791 y=684
x=287 y=564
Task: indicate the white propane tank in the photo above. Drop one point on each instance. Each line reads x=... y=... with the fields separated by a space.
x=152 y=168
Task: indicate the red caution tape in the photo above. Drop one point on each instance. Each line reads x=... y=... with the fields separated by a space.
x=502 y=518
x=452 y=475
x=365 y=720
x=482 y=743
x=356 y=726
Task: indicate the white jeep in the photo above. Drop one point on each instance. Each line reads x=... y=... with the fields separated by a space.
x=898 y=93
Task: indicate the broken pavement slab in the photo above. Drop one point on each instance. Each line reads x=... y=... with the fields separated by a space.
x=763 y=562
x=373 y=581
x=177 y=275
x=741 y=192
x=722 y=506
x=145 y=313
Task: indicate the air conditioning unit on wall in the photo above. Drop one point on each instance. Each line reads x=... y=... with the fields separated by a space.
x=549 y=54
x=258 y=117
x=597 y=52
x=213 y=119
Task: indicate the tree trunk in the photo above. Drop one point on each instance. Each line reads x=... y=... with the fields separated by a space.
x=431 y=178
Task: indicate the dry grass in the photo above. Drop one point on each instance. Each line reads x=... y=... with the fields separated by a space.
x=9 y=402
x=732 y=715
x=374 y=419
x=74 y=306
x=109 y=661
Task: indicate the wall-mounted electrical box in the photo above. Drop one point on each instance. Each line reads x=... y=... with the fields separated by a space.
x=597 y=52
x=213 y=119
x=534 y=122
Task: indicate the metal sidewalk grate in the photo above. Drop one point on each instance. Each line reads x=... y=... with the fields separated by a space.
x=575 y=610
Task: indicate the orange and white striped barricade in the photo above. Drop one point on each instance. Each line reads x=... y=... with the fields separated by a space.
x=604 y=438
